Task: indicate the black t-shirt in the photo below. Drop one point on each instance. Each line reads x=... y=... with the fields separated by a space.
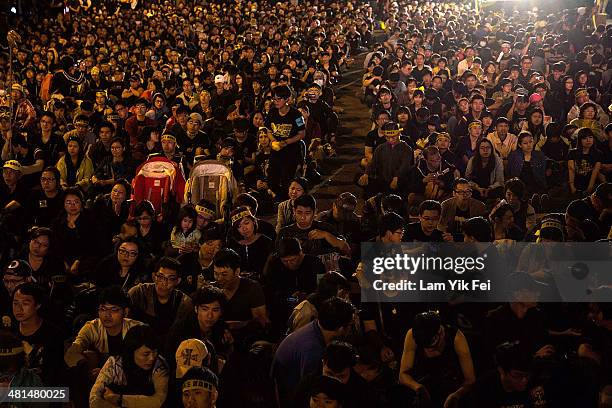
x=285 y=126
x=460 y=217
x=249 y=295
x=42 y=209
x=584 y=165
x=115 y=344
x=20 y=194
x=373 y=140
x=245 y=148
x=309 y=246
x=164 y=316
x=47 y=352
x=414 y=232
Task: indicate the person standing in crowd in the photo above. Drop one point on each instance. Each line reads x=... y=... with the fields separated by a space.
x=288 y=127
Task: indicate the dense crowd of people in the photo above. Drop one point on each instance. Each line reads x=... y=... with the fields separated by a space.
x=147 y=145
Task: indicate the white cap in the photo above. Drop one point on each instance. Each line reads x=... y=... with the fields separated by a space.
x=219 y=79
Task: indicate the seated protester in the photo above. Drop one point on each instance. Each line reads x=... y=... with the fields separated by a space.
x=205 y=323
x=246 y=302
x=289 y=277
x=301 y=352
x=503 y=141
x=15 y=273
x=136 y=123
x=375 y=137
x=43 y=339
x=198 y=266
x=124 y=267
x=600 y=206
x=326 y=390
x=385 y=101
x=502 y=223
x=485 y=171
x=102 y=148
x=468 y=145
x=331 y=284
x=390 y=164
x=524 y=213
x=75 y=228
x=246 y=145
x=30 y=157
x=588 y=118
x=112 y=210
x=436 y=363
x=45 y=201
x=199 y=388
x=556 y=149
x=39 y=255
x=185 y=236
x=48 y=140
x=75 y=167
x=15 y=373
x=263 y=227
x=508 y=383
x=584 y=164
x=207 y=217
x=519 y=320
x=13 y=193
x=375 y=207
x=606 y=149
x=139 y=376
x=151 y=233
x=459 y=208
x=528 y=165
x=159 y=304
x=316 y=237
x=338 y=361
x=193 y=139
x=254 y=248
x=285 y=215
x=170 y=150
x=344 y=220
x=425 y=230
x=117 y=166
x=97 y=340
x=227 y=155
x=432 y=179
x=443 y=143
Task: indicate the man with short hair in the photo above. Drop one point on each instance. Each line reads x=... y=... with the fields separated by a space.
x=316 y=237
x=136 y=123
x=425 y=230
x=503 y=141
x=343 y=218
x=301 y=353
x=199 y=388
x=290 y=275
x=160 y=303
x=245 y=297
x=44 y=339
x=15 y=273
x=13 y=194
x=459 y=208
x=29 y=156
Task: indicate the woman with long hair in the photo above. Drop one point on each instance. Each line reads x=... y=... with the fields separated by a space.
x=138 y=376
x=502 y=219
x=76 y=169
x=584 y=163
x=485 y=170
x=113 y=209
x=535 y=126
x=564 y=99
x=150 y=232
x=528 y=164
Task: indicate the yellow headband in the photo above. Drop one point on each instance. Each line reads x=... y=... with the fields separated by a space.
x=198 y=385
x=443 y=135
x=206 y=211
x=6 y=352
x=241 y=215
x=169 y=137
x=472 y=124
x=392 y=132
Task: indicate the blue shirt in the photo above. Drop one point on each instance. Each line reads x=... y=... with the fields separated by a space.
x=298 y=355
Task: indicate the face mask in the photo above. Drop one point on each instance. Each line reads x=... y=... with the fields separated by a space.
x=319 y=82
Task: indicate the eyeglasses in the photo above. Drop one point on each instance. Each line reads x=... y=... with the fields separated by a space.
x=125 y=252
x=113 y=310
x=46 y=122
x=165 y=279
x=144 y=218
x=116 y=147
x=72 y=202
x=47 y=179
